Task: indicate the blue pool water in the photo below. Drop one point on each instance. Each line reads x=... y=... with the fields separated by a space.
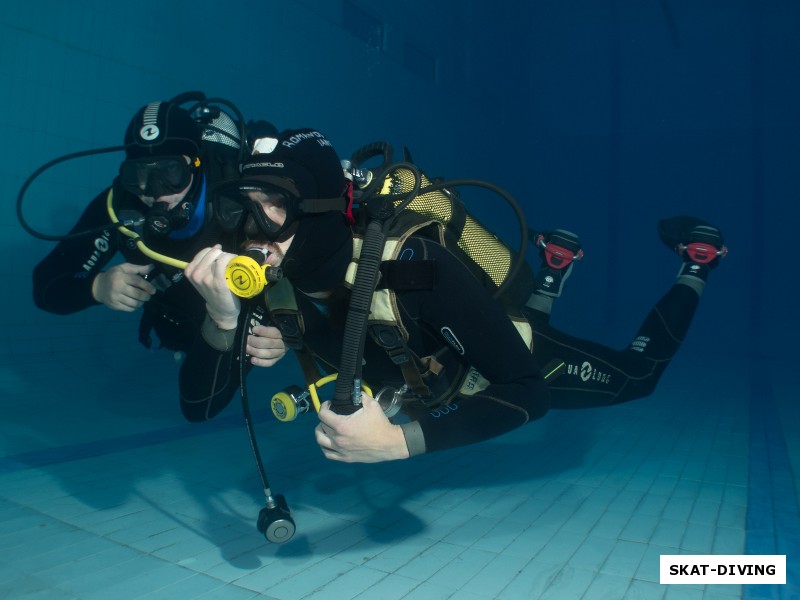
x=599 y=117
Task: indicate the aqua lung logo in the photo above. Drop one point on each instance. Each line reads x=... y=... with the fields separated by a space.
x=240 y=278
x=452 y=340
x=101 y=246
x=588 y=373
x=149 y=132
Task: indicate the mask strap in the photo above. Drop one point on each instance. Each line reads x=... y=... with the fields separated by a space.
x=197 y=219
x=322 y=205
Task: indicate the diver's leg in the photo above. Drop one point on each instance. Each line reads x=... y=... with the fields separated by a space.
x=596 y=375
x=559 y=249
x=701 y=246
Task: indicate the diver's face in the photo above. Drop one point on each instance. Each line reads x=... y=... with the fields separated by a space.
x=274 y=209
x=171 y=200
x=272 y=205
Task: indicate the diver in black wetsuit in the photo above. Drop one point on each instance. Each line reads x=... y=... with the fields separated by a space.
x=171 y=161
x=292 y=207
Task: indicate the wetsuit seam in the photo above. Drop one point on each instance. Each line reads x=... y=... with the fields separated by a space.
x=505 y=403
x=213 y=386
x=208 y=399
x=666 y=327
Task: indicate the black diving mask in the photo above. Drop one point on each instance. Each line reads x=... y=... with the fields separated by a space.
x=262 y=209
x=155 y=177
x=256 y=208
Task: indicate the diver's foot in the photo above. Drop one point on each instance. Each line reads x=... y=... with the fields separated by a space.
x=559 y=250
x=699 y=244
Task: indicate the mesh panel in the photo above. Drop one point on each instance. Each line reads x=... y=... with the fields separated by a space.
x=486 y=249
x=432 y=204
x=480 y=245
x=222 y=130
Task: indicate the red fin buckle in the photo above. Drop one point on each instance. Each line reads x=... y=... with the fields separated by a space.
x=702 y=253
x=557 y=257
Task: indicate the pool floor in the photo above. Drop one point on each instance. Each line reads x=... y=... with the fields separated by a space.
x=106 y=493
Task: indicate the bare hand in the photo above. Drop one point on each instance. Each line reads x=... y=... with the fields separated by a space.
x=265 y=346
x=206 y=273
x=123 y=287
x=365 y=436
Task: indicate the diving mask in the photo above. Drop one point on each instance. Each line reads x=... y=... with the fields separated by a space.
x=256 y=208
x=267 y=206
x=155 y=177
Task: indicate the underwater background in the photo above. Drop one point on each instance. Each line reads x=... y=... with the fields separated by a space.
x=598 y=116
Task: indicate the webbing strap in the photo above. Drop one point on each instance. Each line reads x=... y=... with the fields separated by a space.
x=391 y=340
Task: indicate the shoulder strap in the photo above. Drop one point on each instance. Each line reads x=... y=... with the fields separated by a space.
x=282 y=306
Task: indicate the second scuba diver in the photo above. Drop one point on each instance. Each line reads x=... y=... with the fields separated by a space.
x=171 y=160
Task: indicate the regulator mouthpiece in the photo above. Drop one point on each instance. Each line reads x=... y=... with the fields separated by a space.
x=247 y=275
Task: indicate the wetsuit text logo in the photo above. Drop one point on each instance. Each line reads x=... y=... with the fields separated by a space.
x=310 y=135
x=588 y=373
x=101 y=247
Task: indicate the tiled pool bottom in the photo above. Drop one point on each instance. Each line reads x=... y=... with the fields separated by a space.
x=578 y=505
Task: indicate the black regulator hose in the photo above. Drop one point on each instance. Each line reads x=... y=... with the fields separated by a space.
x=347 y=394
x=519 y=260
x=275 y=520
x=23 y=190
x=372 y=150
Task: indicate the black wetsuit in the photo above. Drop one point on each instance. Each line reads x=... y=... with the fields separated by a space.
x=458 y=303
x=459 y=319
x=596 y=375
x=62 y=281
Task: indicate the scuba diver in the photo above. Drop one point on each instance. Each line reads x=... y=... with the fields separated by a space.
x=173 y=155
x=459 y=371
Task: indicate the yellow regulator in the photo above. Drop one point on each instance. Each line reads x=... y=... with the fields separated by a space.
x=246 y=278
x=287 y=404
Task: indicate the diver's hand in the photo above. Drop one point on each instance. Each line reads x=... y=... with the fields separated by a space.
x=265 y=345
x=206 y=273
x=123 y=287
x=365 y=436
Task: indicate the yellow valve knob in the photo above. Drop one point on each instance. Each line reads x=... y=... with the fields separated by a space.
x=283 y=407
